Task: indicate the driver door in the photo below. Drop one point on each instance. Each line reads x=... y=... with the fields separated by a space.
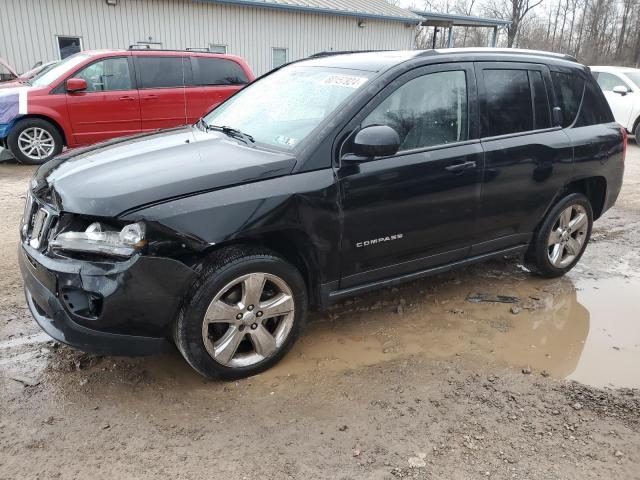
x=416 y=209
x=109 y=107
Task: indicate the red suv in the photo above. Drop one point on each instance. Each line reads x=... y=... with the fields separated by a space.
x=97 y=95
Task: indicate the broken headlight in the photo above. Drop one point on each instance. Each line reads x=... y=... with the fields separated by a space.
x=98 y=239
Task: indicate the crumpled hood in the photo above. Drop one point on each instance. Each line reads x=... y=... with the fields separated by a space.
x=117 y=176
x=11 y=84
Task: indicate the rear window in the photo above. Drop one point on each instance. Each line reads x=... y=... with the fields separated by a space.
x=220 y=71
x=594 y=109
x=568 y=90
x=159 y=72
x=509 y=107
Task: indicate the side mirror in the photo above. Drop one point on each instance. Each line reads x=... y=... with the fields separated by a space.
x=621 y=89
x=76 y=85
x=375 y=141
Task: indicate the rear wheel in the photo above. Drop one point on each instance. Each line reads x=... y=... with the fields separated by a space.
x=34 y=141
x=637 y=133
x=562 y=238
x=243 y=315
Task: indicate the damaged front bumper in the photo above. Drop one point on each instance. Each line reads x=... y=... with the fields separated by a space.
x=107 y=307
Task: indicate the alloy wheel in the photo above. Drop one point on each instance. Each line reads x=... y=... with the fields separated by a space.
x=248 y=320
x=568 y=236
x=36 y=143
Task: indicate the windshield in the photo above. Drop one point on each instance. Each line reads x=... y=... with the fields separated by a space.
x=634 y=77
x=34 y=72
x=283 y=108
x=46 y=77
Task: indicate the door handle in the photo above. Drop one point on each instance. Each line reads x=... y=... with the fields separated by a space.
x=461 y=167
x=127 y=97
x=151 y=97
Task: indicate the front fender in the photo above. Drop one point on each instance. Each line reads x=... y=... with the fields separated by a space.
x=306 y=202
x=58 y=116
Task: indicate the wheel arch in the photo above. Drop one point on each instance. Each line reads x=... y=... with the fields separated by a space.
x=594 y=188
x=293 y=245
x=49 y=119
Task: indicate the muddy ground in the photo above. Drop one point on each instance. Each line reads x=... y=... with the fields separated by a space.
x=410 y=382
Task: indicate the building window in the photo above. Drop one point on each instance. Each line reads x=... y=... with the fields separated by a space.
x=215 y=48
x=68 y=46
x=279 y=56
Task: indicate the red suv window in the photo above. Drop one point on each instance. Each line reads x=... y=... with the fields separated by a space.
x=219 y=71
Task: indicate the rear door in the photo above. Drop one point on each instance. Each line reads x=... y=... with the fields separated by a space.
x=161 y=82
x=110 y=106
x=527 y=158
x=214 y=80
x=415 y=209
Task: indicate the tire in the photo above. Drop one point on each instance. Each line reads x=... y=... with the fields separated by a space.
x=227 y=287
x=637 y=133
x=572 y=237
x=49 y=140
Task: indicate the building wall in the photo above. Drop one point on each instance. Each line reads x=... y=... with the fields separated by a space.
x=28 y=29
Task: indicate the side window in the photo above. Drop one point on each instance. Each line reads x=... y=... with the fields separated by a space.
x=107 y=75
x=160 y=72
x=594 y=109
x=508 y=102
x=568 y=90
x=220 y=71
x=542 y=114
x=426 y=111
x=608 y=81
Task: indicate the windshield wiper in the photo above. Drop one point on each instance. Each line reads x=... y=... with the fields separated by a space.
x=230 y=132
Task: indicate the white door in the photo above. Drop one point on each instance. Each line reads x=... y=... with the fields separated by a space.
x=621 y=105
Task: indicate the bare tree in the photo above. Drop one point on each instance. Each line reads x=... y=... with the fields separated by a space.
x=594 y=31
x=513 y=10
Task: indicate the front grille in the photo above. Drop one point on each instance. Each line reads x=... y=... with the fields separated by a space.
x=37 y=223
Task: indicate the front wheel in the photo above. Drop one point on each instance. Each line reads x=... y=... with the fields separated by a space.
x=243 y=314
x=562 y=237
x=34 y=141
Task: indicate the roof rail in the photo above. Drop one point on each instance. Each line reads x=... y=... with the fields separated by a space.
x=516 y=51
x=341 y=52
x=190 y=49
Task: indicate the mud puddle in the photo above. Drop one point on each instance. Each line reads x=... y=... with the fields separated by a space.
x=588 y=331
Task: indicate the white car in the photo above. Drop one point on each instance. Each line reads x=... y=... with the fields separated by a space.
x=621 y=86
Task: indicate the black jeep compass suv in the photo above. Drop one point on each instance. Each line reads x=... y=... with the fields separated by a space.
x=325 y=178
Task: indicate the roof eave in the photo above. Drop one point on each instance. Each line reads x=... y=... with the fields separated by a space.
x=327 y=11
x=462 y=20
